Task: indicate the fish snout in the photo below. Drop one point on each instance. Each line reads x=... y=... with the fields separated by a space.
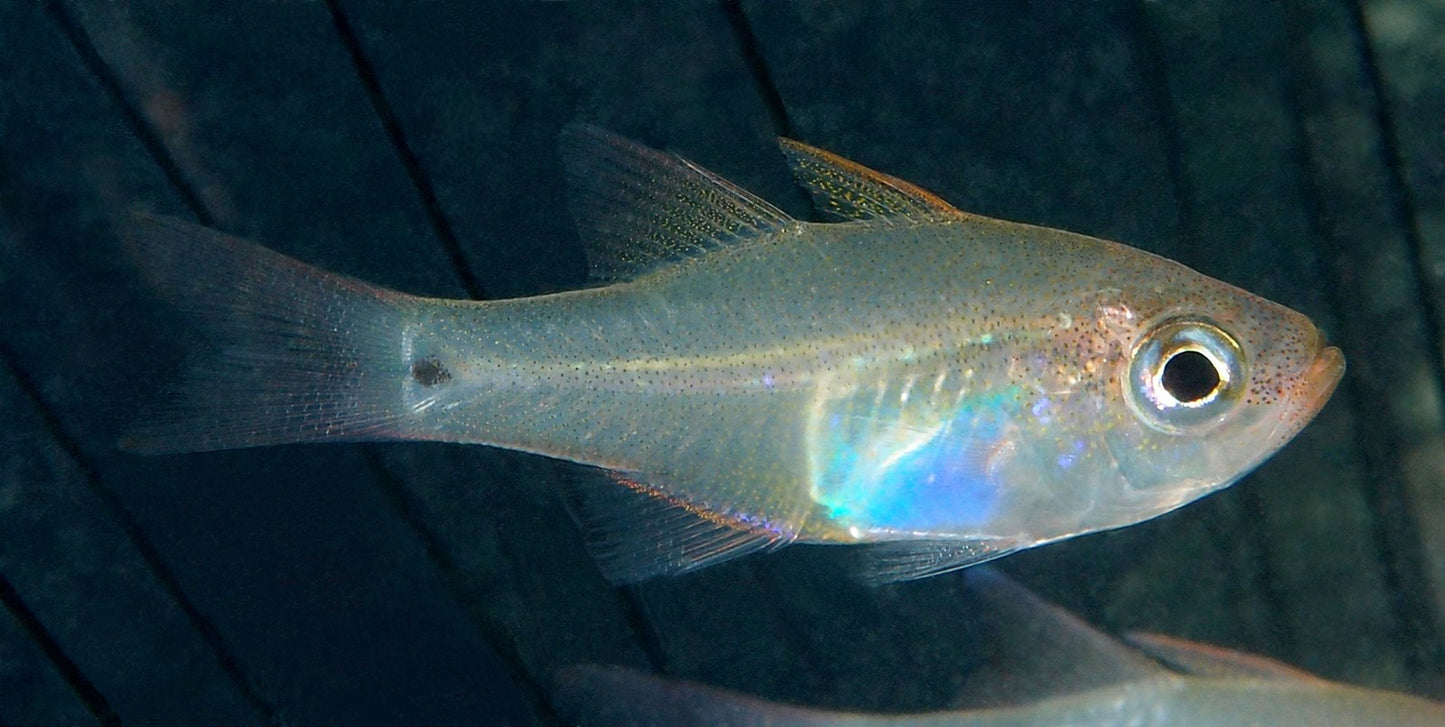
x=1323 y=374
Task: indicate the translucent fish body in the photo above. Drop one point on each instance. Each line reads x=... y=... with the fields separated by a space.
x=954 y=386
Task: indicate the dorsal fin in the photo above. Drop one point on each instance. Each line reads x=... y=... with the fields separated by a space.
x=638 y=209
x=850 y=190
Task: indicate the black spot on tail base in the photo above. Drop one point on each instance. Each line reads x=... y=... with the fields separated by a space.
x=430 y=372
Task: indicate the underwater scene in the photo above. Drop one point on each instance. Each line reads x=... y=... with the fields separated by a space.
x=722 y=363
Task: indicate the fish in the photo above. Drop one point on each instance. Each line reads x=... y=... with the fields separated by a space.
x=940 y=387
x=1045 y=667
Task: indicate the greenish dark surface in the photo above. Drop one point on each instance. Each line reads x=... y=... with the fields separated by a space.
x=1291 y=148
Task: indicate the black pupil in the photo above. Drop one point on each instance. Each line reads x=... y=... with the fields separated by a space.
x=1189 y=376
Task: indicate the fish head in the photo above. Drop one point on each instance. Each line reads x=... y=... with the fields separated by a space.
x=1206 y=382
x=1116 y=404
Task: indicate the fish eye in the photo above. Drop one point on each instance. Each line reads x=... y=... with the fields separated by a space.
x=1190 y=376
x=1184 y=375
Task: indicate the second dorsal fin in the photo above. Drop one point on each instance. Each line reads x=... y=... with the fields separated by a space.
x=638 y=209
x=848 y=189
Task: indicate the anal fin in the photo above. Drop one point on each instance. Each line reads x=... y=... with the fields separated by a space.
x=636 y=531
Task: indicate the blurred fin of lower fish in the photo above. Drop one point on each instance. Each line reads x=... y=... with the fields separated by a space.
x=1045 y=667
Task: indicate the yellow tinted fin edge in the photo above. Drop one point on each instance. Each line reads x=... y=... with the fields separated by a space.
x=850 y=190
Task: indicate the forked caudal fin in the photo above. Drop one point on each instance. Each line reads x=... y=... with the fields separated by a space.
x=295 y=354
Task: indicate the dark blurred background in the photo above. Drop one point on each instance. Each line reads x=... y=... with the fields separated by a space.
x=1293 y=148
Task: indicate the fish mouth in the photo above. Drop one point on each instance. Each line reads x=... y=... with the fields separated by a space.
x=1315 y=385
x=1323 y=374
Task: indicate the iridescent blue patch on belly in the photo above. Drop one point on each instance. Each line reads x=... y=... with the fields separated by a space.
x=897 y=471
